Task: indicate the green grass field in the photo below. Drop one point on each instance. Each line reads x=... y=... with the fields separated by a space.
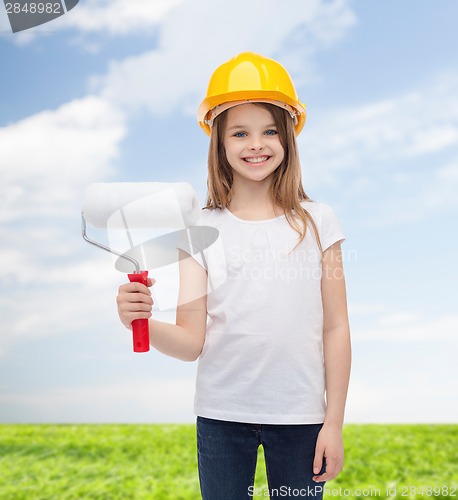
x=125 y=462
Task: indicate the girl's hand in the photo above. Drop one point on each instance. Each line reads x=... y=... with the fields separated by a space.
x=134 y=302
x=330 y=446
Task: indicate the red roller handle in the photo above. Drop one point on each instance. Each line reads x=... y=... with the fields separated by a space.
x=140 y=327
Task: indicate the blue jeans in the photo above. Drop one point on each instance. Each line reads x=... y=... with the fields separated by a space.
x=227 y=454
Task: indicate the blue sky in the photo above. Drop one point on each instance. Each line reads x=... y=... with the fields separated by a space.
x=109 y=92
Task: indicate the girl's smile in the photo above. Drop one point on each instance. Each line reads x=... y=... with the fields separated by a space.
x=257 y=160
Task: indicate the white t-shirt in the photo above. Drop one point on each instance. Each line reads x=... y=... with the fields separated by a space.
x=262 y=361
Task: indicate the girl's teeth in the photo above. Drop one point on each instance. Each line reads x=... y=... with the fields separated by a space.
x=256 y=160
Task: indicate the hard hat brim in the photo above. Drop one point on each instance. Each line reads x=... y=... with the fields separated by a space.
x=240 y=97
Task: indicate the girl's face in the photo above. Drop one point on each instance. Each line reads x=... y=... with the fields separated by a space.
x=252 y=143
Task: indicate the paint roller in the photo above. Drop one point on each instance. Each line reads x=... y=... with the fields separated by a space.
x=128 y=206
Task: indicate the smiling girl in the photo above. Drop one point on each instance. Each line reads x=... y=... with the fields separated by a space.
x=273 y=340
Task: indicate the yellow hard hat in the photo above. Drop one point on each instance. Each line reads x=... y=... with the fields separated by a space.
x=250 y=77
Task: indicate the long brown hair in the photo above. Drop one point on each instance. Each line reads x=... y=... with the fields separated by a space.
x=286 y=188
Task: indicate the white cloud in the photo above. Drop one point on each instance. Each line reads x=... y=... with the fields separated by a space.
x=168 y=78
x=54 y=300
x=401 y=150
x=414 y=400
x=361 y=138
x=359 y=309
x=409 y=196
x=403 y=368
x=104 y=17
x=433 y=138
x=399 y=319
x=143 y=400
x=442 y=190
x=118 y=17
x=47 y=158
x=203 y=22
x=449 y=173
x=406 y=327
x=46 y=161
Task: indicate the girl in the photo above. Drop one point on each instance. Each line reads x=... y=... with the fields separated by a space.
x=277 y=336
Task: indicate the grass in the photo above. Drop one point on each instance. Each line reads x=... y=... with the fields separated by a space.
x=41 y=462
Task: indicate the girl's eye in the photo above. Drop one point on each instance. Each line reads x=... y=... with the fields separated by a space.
x=240 y=134
x=271 y=132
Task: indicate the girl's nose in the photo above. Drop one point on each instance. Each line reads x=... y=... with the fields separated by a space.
x=256 y=143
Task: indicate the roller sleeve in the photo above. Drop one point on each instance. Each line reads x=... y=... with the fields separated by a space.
x=145 y=204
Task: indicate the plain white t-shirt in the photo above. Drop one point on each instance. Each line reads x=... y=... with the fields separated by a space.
x=262 y=360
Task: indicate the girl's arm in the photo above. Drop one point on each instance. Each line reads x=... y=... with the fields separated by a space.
x=337 y=360
x=183 y=340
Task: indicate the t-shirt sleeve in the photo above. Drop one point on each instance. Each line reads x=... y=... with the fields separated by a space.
x=330 y=228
